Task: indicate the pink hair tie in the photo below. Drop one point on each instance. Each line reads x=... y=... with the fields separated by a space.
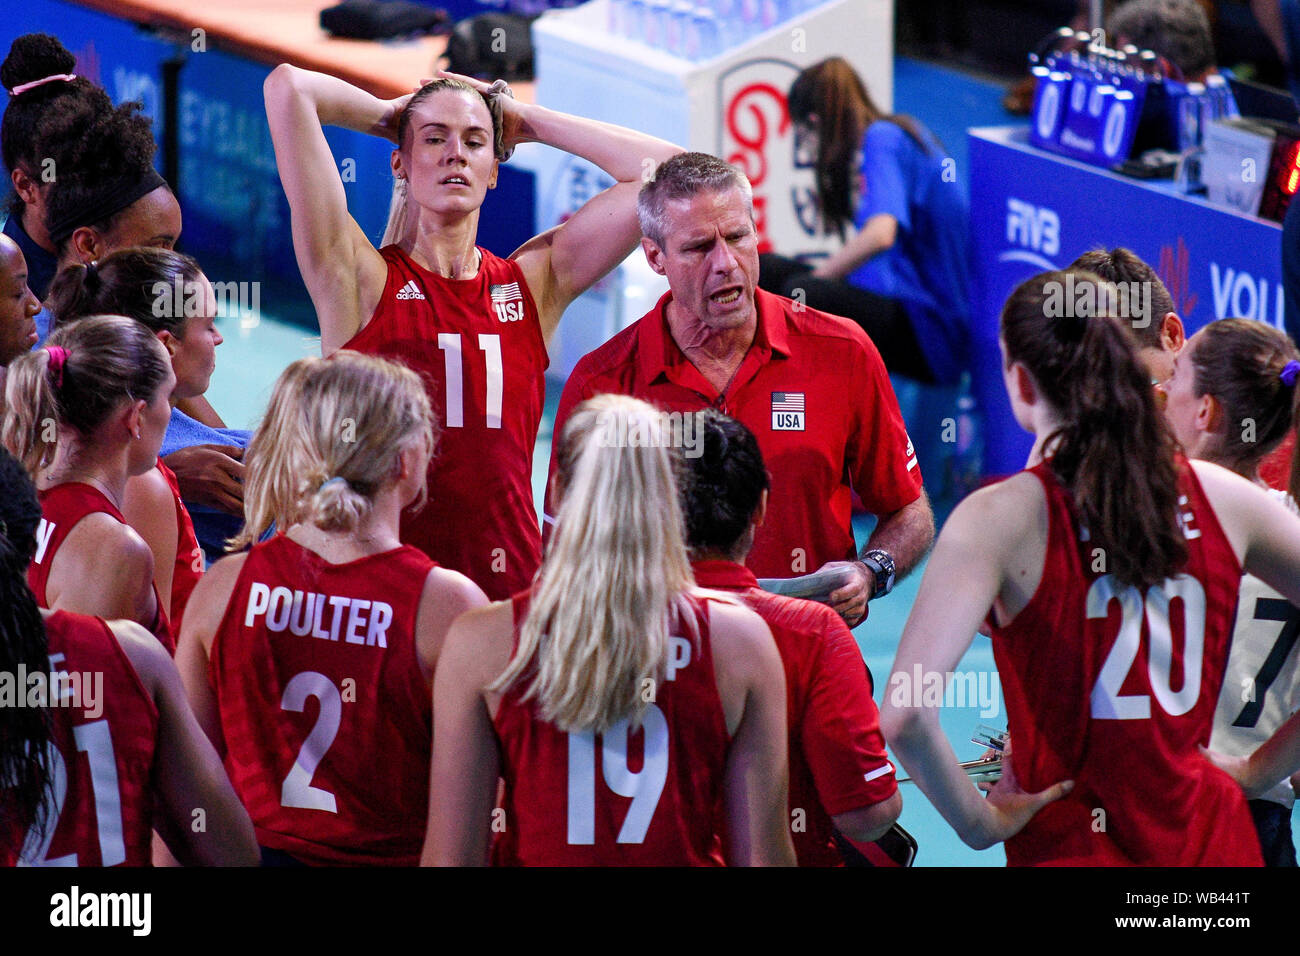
x=24 y=87
x=58 y=358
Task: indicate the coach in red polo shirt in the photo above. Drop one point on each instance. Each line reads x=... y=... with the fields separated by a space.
x=810 y=385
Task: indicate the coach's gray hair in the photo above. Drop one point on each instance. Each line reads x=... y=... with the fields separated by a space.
x=684 y=176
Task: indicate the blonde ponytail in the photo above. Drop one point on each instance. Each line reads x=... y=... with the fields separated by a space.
x=615 y=575
x=329 y=442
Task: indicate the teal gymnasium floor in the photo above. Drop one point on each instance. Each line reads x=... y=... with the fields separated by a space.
x=948 y=102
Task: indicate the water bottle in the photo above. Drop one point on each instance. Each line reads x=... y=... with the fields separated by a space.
x=702 y=41
x=656 y=24
x=617 y=16
x=634 y=20
x=679 y=21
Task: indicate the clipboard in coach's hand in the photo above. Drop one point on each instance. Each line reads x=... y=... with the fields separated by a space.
x=811 y=587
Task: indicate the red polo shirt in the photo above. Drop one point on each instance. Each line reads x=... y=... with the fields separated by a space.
x=837 y=755
x=813 y=390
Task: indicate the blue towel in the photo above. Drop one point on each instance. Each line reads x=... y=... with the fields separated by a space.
x=213 y=528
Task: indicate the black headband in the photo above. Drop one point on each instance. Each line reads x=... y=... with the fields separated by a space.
x=112 y=197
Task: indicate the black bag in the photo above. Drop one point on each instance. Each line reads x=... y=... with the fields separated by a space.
x=382 y=19
x=492 y=46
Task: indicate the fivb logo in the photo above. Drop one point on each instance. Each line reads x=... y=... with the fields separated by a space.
x=1036 y=229
x=508 y=301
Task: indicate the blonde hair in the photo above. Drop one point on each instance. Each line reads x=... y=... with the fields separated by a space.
x=110 y=360
x=329 y=442
x=615 y=574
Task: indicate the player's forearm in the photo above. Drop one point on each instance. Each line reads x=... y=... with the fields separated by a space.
x=876 y=235
x=335 y=102
x=906 y=534
x=620 y=152
x=1276 y=758
x=918 y=741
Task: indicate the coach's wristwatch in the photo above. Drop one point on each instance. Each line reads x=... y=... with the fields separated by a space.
x=881 y=565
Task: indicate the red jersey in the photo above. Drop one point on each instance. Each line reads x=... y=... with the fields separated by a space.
x=189 y=556
x=813 y=390
x=477 y=343
x=62 y=507
x=1275 y=469
x=105 y=725
x=326 y=716
x=1115 y=690
x=837 y=754
x=573 y=799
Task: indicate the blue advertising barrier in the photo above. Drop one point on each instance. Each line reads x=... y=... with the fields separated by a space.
x=1032 y=211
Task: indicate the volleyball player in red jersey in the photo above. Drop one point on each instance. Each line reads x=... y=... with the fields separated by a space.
x=612 y=661
x=333 y=609
x=1110 y=573
x=170 y=295
x=109 y=749
x=475 y=326
x=84 y=415
x=840 y=777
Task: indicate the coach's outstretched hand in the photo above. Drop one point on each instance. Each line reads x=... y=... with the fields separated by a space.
x=1010 y=807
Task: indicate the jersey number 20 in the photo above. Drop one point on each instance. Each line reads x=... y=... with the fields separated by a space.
x=644 y=787
x=1107 y=702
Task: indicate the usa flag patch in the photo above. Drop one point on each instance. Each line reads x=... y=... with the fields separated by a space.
x=787 y=411
x=508 y=301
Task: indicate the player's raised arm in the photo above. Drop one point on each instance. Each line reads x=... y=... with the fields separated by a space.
x=342 y=270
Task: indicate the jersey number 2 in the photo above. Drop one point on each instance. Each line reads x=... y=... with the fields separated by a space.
x=297 y=791
x=449 y=342
x=644 y=787
x=1107 y=702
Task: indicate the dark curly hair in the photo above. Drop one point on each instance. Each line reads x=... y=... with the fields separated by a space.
x=34 y=56
x=24 y=731
x=93 y=150
x=723 y=486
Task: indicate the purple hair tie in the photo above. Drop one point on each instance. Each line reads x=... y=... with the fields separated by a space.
x=1290 y=372
x=58 y=358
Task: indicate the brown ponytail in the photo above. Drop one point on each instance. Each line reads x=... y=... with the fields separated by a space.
x=1112 y=450
x=110 y=359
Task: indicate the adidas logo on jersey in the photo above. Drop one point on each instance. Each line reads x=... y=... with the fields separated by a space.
x=410 y=291
x=508 y=301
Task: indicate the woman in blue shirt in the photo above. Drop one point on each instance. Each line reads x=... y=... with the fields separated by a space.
x=885 y=186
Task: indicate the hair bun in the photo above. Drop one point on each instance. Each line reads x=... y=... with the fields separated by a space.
x=34 y=56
